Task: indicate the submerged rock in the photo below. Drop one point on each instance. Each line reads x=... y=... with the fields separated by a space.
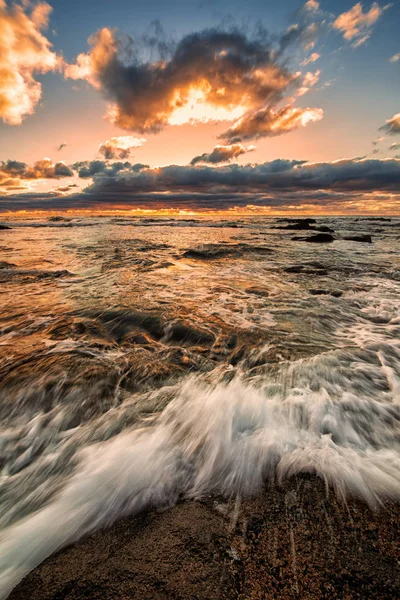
x=320 y=292
x=359 y=238
x=321 y=238
x=211 y=251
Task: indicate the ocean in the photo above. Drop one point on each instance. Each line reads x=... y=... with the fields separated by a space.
x=150 y=360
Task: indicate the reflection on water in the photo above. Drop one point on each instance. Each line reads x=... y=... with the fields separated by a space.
x=143 y=360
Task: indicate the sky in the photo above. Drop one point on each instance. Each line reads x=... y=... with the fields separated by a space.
x=288 y=107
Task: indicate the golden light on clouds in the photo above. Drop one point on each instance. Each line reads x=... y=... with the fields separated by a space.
x=24 y=51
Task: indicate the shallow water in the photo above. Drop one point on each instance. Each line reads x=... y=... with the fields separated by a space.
x=143 y=361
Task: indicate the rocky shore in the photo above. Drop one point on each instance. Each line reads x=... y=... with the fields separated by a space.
x=296 y=540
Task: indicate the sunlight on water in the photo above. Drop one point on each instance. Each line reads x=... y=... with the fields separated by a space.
x=141 y=364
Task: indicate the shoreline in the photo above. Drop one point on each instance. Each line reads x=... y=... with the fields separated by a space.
x=292 y=541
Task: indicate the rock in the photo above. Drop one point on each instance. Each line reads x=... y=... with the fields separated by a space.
x=324 y=229
x=6 y=265
x=58 y=218
x=359 y=238
x=257 y=291
x=298 y=225
x=4 y=227
x=183 y=333
x=293 y=540
x=209 y=251
x=320 y=292
x=321 y=238
x=311 y=268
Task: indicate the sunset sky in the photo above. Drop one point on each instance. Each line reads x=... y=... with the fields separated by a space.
x=279 y=107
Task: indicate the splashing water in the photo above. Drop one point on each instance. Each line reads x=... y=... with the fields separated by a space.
x=332 y=409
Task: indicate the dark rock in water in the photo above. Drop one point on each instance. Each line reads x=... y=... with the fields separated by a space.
x=181 y=332
x=299 y=224
x=320 y=292
x=29 y=275
x=4 y=227
x=209 y=251
x=324 y=229
x=321 y=238
x=311 y=268
x=212 y=251
x=257 y=291
x=308 y=220
x=59 y=218
x=359 y=238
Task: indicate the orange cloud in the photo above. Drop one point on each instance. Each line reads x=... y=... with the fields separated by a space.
x=356 y=25
x=269 y=123
x=120 y=147
x=24 y=51
x=12 y=172
x=211 y=75
x=392 y=126
x=222 y=154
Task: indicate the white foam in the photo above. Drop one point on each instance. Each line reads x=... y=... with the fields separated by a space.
x=226 y=438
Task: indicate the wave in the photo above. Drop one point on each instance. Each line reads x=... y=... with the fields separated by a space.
x=335 y=415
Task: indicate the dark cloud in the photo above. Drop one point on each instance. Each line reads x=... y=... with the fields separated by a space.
x=392 y=126
x=222 y=154
x=210 y=75
x=88 y=169
x=279 y=183
x=13 y=171
x=345 y=175
x=62 y=146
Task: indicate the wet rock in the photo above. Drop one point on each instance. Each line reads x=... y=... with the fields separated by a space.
x=210 y=251
x=299 y=224
x=257 y=291
x=321 y=292
x=183 y=333
x=324 y=229
x=311 y=268
x=359 y=238
x=58 y=219
x=120 y=323
x=292 y=541
x=29 y=275
x=321 y=238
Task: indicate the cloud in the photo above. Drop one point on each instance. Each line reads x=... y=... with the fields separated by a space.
x=120 y=147
x=343 y=186
x=395 y=58
x=312 y=5
x=24 y=51
x=378 y=140
x=394 y=147
x=355 y=25
x=311 y=59
x=392 y=126
x=222 y=154
x=12 y=172
x=62 y=146
x=211 y=75
x=269 y=123
x=88 y=169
